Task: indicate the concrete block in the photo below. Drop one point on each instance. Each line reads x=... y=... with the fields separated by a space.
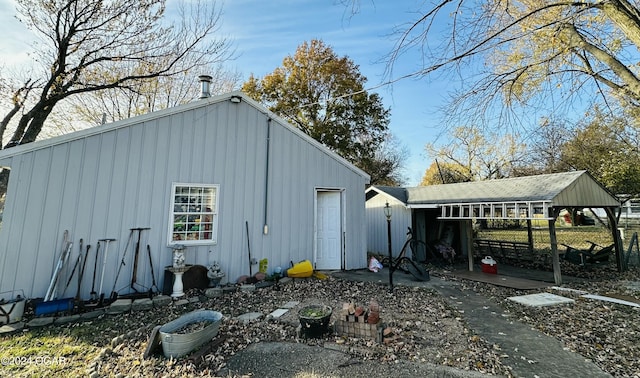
x=541 y=299
x=11 y=328
x=249 y=317
x=119 y=306
x=66 y=319
x=142 y=304
x=40 y=322
x=277 y=313
x=161 y=301
x=92 y=314
x=181 y=302
x=229 y=289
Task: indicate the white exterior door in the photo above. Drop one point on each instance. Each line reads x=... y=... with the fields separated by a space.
x=328 y=230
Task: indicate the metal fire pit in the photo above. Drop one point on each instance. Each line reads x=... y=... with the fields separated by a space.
x=314 y=320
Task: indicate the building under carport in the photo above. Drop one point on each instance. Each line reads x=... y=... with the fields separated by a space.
x=448 y=211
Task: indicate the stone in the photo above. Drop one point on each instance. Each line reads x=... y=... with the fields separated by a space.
x=249 y=317
x=67 y=319
x=277 y=313
x=263 y=284
x=142 y=304
x=92 y=314
x=242 y=279
x=181 y=302
x=229 y=289
x=194 y=299
x=247 y=288
x=11 y=328
x=119 y=306
x=290 y=304
x=40 y=322
x=214 y=292
x=161 y=301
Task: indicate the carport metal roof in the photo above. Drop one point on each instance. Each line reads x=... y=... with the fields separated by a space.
x=529 y=197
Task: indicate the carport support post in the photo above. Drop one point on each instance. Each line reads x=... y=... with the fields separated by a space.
x=557 y=276
x=617 y=240
x=469 y=239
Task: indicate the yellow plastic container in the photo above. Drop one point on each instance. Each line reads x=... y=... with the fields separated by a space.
x=264 y=264
x=302 y=269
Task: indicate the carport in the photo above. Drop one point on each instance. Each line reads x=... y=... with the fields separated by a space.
x=539 y=197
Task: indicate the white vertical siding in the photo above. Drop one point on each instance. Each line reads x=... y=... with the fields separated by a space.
x=105 y=181
x=377 y=241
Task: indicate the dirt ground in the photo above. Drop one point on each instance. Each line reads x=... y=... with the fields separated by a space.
x=437 y=331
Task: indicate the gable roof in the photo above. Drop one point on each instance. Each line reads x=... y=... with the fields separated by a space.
x=398 y=193
x=576 y=188
x=176 y=110
x=505 y=198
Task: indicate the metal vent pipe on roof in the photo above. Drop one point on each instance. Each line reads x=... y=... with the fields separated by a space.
x=205 y=84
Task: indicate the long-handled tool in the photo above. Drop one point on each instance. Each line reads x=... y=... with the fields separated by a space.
x=135 y=258
x=66 y=249
x=75 y=266
x=94 y=295
x=249 y=248
x=114 y=293
x=104 y=265
x=153 y=275
x=81 y=275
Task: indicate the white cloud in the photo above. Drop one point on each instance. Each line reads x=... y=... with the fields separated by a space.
x=16 y=38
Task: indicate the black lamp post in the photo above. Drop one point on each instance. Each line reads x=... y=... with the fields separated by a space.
x=387 y=213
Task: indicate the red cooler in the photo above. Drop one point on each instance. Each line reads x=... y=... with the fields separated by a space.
x=489 y=265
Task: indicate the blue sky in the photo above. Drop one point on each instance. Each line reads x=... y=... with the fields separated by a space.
x=267 y=31
x=264 y=32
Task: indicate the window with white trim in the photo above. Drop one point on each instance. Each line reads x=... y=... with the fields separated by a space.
x=194 y=214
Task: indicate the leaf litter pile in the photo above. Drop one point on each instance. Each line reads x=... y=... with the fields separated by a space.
x=426 y=329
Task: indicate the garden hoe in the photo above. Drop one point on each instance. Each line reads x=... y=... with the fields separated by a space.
x=94 y=295
x=134 y=276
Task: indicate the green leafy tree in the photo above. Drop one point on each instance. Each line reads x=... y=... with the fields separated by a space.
x=444 y=173
x=323 y=95
x=609 y=148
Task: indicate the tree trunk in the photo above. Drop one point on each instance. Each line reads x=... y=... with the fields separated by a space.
x=36 y=124
x=625 y=16
x=30 y=125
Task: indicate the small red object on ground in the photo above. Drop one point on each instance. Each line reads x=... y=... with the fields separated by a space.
x=489 y=265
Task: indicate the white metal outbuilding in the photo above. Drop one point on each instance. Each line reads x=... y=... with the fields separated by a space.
x=197 y=175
